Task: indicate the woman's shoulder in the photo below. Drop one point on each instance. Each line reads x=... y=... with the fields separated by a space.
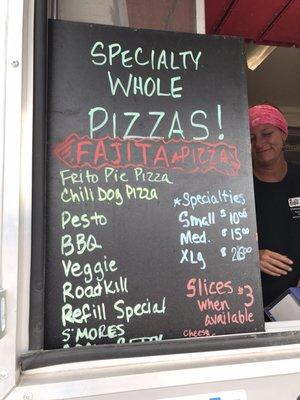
x=293 y=168
x=294 y=173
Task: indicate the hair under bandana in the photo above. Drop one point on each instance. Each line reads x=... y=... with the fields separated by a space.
x=265 y=114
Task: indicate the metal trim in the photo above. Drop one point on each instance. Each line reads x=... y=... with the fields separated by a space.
x=46 y=358
x=36 y=318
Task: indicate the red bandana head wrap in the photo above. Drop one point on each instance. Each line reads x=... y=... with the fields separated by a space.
x=265 y=114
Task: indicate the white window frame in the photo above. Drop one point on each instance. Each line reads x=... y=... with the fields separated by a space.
x=92 y=378
x=13 y=117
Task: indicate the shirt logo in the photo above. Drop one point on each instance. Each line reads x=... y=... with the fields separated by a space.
x=294 y=202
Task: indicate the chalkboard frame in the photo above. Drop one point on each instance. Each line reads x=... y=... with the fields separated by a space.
x=48 y=358
x=37 y=357
x=37 y=278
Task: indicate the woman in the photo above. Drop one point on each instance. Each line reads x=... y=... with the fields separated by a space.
x=277 y=200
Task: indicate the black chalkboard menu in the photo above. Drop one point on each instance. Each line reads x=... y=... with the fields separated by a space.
x=150 y=223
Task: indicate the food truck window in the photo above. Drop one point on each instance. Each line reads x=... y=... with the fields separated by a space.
x=149 y=228
x=275 y=81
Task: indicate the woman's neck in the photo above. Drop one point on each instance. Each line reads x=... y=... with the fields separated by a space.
x=271 y=173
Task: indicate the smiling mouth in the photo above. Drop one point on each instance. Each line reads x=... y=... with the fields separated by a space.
x=262 y=151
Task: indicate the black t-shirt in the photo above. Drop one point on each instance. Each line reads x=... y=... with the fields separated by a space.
x=278 y=226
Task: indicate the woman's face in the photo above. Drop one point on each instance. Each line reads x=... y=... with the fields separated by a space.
x=266 y=144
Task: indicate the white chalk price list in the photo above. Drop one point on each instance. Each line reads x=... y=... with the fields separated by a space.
x=223 y=210
x=204 y=218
